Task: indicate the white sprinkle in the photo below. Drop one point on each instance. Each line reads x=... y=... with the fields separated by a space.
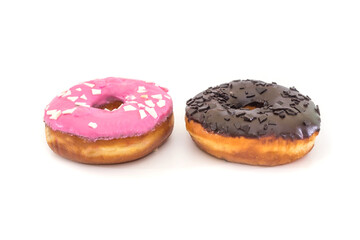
x=47 y=107
x=81 y=104
x=141 y=89
x=78 y=89
x=149 y=103
x=157 y=96
x=51 y=112
x=73 y=98
x=142 y=114
x=89 y=85
x=168 y=97
x=161 y=103
x=69 y=111
x=129 y=108
x=65 y=93
x=151 y=111
x=96 y=91
x=144 y=96
x=92 y=124
x=130 y=97
x=83 y=97
x=141 y=105
x=132 y=102
x=56 y=115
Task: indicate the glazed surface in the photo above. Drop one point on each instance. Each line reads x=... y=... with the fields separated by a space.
x=77 y=111
x=255 y=109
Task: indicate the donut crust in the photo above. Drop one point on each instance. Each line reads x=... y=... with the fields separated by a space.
x=263 y=151
x=111 y=151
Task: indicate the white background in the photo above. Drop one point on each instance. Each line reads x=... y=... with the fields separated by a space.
x=179 y=192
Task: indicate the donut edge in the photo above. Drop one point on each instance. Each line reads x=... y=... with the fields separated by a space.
x=112 y=151
x=263 y=151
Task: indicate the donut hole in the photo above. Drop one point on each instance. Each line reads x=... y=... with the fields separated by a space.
x=110 y=104
x=253 y=105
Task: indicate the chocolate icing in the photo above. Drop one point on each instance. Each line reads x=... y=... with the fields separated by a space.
x=254 y=109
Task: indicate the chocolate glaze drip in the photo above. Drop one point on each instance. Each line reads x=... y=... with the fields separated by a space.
x=255 y=109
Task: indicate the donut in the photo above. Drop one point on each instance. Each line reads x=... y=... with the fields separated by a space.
x=108 y=121
x=253 y=122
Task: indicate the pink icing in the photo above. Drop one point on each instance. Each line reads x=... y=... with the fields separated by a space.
x=144 y=106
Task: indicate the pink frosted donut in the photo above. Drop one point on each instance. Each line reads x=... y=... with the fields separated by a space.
x=109 y=120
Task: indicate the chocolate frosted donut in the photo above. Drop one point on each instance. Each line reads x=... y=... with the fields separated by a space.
x=256 y=113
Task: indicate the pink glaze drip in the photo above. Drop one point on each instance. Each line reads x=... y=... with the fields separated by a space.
x=142 y=115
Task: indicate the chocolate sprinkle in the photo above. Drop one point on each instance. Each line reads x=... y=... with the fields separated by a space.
x=190 y=101
x=282 y=115
x=272 y=123
x=245 y=128
x=299 y=109
x=262 y=118
x=250 y=96
x=279 y=112
x=203 y=108
x=237 y=125
x=230 y=111
x=249 y=117
x=260 y=90
x=239 y=114
x=290 y=112
x=293 y=89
